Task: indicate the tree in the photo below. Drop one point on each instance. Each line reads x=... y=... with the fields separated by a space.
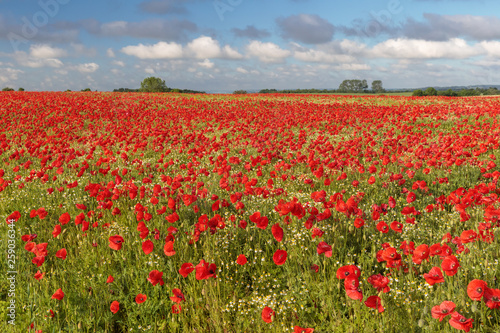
x=86 y=89
x=430 y=92
x=353 y=86
x=418 y=92
x=377 y=87
x=7 y=89
x=20 y=89
x=153 y=84
x=239 y=92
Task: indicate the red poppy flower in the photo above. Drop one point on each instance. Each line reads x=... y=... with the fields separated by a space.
x=176 y=308
x=397 y=226
x=374 y=302
x=323 y=247
x=57 y=230
x=279 y=257
x=444 y=309
x=241 y=260
x=348 y=271
x=115 y=242
x=185 y=269
x=110 y=279
x=351 y=286
x=267 y=314
x=155 y=277
x=168 y=249
x=147 y=247
x=62 y=253
x=434 y=276
x=140 y=298
x=492 y=298
x=410 y=197
x=174 y=217
x=298 y=329
x=115 y=306
x=204 y=270
x=468 y=236
x=178 y=296
x=379 y=282
x=450 y=265
x=38 y=261
x=317 y=233
x=39 y=275
x=59 y=294
x=420 y=253
x=475 y=289
x=15 y=216
x=359 y=222
x=64 y=218
x=81 y=206
x=277 y=232
x=460 y=322
x=382 y=227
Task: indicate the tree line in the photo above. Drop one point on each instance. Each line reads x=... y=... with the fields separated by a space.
x=347 y=86
x=431 y=91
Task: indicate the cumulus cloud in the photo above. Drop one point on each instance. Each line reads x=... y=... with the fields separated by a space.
x=305 y=28
x=401 y=48
x=41 y=51
x=267 y=52
x=87 y=68
x=201 y=48
x=160 y=50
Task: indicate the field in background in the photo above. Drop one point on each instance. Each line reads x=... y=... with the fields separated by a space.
x=249 y=213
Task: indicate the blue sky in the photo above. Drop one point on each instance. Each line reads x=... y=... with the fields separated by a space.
x=226 y=45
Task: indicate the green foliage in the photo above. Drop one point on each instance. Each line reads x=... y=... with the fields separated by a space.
x=353 y=86
x=153 y=84
x=7 y=89
x=86 y=89
x=240 y=92
x=21 y=89
x=377 y=87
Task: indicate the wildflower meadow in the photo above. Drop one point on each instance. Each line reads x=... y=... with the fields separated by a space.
x=136 y=212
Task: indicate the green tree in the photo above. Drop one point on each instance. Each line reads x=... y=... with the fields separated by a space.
x=430 y=92
x=418 y=92
x=239 y=92
x=153 y=84
x=377 y=87
x=20 y=89
x=86 y=89
x=7 y=89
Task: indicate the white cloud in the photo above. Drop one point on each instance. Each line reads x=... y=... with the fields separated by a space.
x=203 y=47
x=267 y=52
x=41 y=51
x=149 y=70
x=160 y=50
x=400 y=48
x=87 y=68
x=492 y=48
x=206 y=64
x=118 y=63
x=110 y=53
x=241 y=70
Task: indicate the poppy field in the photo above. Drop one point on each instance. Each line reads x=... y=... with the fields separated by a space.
x=251 y=213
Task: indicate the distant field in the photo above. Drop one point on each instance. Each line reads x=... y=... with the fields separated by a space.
x=129 y=212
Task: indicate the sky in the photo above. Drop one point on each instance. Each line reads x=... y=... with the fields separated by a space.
x=227 y=45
